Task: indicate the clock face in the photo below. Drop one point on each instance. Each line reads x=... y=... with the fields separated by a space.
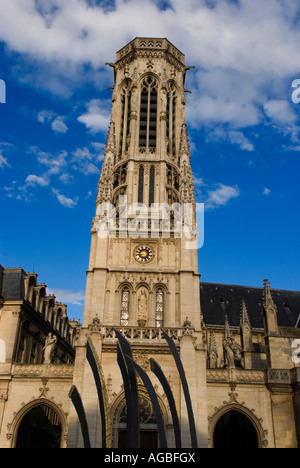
x=143 y=254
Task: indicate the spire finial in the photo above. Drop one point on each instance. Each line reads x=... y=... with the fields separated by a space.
x=267 y=295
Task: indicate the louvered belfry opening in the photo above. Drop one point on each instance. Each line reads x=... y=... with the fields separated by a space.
x=148 y=113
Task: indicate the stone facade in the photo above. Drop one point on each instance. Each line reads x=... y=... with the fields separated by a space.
x=236 y=349
x=36 y=353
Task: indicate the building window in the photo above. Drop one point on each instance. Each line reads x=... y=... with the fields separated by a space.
x=148 y=113
x=125 y=308
x=151 y=186
x=171 y=119
x=159 y=311
x=120 y=175
x=125 y=117
x=141 y=185
x=172 y=185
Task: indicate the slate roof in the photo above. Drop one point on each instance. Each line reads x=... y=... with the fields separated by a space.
x=220 y=299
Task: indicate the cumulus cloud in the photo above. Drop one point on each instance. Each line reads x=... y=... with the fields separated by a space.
x=238 y=138
x=66 y=296
x=63 y=200
x=59 y=126
x=245 y=51
x=34 y=180
x=85 y=161
x=57 y=122
x=219 y=134
x=97 y=117
x=54 y=162
x=221 y=195
x=266 y=191
x=280 y=112
x=45 y=116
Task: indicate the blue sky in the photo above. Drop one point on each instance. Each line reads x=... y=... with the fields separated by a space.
x=244 y=131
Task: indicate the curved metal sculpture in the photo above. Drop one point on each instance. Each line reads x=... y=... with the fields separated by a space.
x=154 y=401
x=128 y=369
x=94 y=362
x=185 y=389
x=77 y=402
x=130 y=389
x=156 y=369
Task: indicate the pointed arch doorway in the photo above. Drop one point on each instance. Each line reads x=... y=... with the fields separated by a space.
x=40 y=427
x=235 y=430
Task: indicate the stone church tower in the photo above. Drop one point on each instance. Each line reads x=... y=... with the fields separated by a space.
x=143 y=269
x=239 y=345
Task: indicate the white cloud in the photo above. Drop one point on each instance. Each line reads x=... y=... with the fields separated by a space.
x=67 y=296
x=238 y=138
x=63 y=200
x=59 y=126
x=54 y=162
x=221 y=196
x=97 y=116
x=266 y=191
x=3 y=162
x=33 y=180
x=280 y=112
x=245 y=51
x=219 y=134
x=57 y=122
x=45 y=116
x=66 y=178
x=198 y=181
x=84 y=160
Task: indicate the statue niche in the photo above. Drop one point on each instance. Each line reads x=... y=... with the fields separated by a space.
x=142 y=307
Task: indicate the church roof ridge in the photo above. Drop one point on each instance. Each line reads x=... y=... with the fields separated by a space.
x=246 y=286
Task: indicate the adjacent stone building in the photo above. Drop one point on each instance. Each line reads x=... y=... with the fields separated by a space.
x=36 y=362
x=238 y=345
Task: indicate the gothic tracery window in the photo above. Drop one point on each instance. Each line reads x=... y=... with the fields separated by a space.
x=125 y=117
x=159 y=310
x=171 y=116
x=141 y=185
x=148 y=113
x=125 y=307
x=151 y=185
x=172 y=185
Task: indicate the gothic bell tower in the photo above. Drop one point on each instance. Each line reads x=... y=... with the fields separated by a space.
x=143 y=270
x=146 y=169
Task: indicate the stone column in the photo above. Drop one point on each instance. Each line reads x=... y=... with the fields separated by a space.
x=279 y=384
x=295 y=373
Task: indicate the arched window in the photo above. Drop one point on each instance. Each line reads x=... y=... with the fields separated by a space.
x=151 y=186
x=148 y=433
x=148 y=113
x=171 y=118
x=141 y=185
x=172 y=184
x=125 y=307
x=159 y=309
x=125 y=117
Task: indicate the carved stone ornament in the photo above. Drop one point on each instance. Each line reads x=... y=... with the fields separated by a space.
x=234 y=404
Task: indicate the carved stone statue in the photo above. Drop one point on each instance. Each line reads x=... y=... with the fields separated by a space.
x=142 y=307
x=50 y=343
x=164 y=100
x=230 y=352
x=134 y=99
